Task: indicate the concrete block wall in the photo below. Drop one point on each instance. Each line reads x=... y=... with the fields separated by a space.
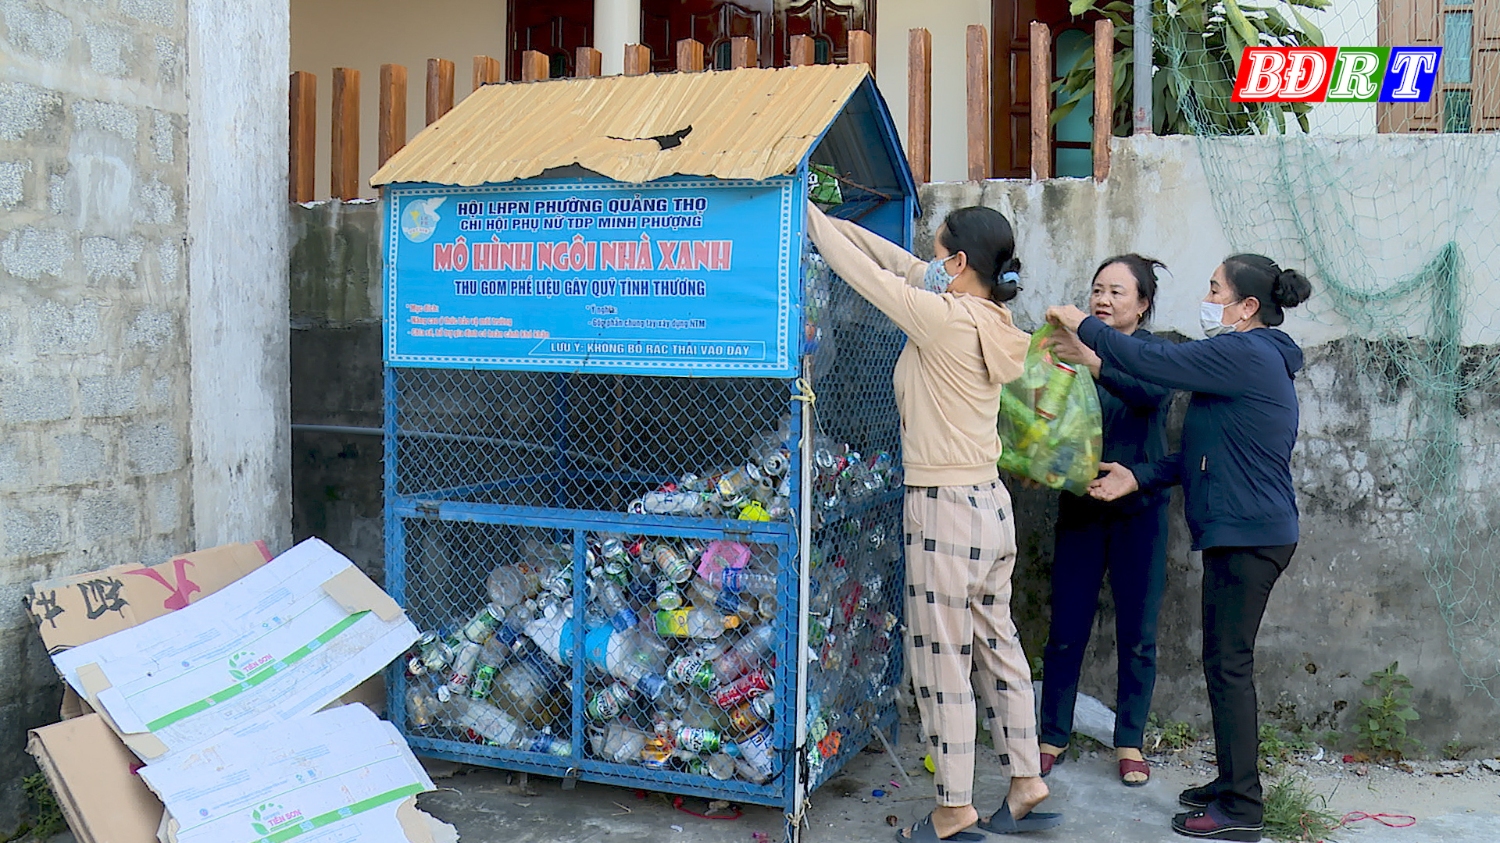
x=94 y=370
x=143 y=359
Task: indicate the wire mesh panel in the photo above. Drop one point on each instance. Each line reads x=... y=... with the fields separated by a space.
x=609 y=569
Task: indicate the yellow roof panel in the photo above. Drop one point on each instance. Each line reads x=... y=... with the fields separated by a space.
x=746 y=124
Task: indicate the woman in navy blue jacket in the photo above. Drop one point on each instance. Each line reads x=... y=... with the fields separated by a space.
x=1126 y=538
x=1234 y=467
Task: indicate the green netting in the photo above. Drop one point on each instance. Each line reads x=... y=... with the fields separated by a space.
x=1395 y=215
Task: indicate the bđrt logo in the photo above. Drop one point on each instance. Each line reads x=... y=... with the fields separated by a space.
x=1337 y=74
x=242 y=665
x=269 y=816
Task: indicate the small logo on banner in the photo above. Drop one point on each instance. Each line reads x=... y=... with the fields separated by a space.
x=1337 y=74
x=420 y=218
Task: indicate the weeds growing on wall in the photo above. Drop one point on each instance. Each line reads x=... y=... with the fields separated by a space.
x=1380 y=723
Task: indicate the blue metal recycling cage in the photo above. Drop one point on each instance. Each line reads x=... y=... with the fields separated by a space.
x=596 y=289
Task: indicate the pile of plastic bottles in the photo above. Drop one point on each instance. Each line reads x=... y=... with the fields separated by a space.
x=678 y=658
x=760 y=488
x=854 y=634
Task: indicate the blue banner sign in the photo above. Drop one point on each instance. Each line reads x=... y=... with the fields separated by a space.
x=688 y=277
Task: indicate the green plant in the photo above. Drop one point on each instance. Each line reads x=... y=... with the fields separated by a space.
x=1295 y=812
x=47 y=818
x=1277 y=745
x=1380 y=723
x=1169 y=734
x=1197 y=46
x=1455 y=749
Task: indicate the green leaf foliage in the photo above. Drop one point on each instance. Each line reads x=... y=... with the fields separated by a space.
x=1197 y=47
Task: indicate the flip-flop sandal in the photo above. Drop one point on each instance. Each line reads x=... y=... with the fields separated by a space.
x=925 y=832
x=1001 y=822
x=1130 y=765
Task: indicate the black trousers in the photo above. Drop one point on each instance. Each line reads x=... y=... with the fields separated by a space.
x=1237 y=582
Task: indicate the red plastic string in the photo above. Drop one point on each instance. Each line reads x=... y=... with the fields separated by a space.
x=1406 y=820
x=677 y=802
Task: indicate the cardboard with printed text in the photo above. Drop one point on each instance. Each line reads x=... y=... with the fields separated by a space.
x=75 y=610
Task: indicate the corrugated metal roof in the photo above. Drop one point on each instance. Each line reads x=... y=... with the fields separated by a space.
x=746 y=124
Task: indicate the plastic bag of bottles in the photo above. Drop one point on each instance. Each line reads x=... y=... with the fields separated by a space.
x=1051 y=427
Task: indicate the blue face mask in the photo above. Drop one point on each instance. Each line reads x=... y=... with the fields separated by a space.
x=937 y=279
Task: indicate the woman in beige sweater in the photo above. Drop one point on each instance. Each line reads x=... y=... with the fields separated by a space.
x=959 y=531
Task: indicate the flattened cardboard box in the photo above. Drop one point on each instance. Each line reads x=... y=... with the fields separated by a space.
x=90 y=771
x=289 y=638
x=75 y=610
x=86 y=607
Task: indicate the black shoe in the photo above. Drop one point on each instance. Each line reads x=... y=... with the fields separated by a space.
x=1199 y=797
x=1209 y=825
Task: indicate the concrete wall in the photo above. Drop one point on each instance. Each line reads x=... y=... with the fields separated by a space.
x=95 y=445
x=364 y=34
x=137 y=300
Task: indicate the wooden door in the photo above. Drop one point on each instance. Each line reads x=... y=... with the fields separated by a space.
x=712 y=22
x=556 y=28
x=829 y=22
x=1011 y=77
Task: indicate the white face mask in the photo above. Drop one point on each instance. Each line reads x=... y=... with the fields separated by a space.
x=1211 y=319
x=937 y=279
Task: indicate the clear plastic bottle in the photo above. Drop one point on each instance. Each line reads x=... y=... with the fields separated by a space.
x=725 y=601
x=615 y=605
x=745 y=655
x=486 y=721
x=629 y=656
x=696 y=622
x=528 y=689
x=735 y=580
x=510 y=585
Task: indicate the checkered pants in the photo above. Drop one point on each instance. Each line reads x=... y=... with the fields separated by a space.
x=960 y=551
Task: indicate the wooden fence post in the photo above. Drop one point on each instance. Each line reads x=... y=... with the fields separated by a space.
x=919 y=104
x=344 y=162
x=392 y=111
x=804 y=51
x=439 y=89
x=486 y=71
x=302 y=136
x=637 y=59
x=978 y=76
x=534 y=66
x=1104 y=95
x=862 y=48
x=690 y=56
x=743 y=53
x=590 y=63
x=1041 y=101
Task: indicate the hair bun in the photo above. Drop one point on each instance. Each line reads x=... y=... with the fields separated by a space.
x=1290 y=288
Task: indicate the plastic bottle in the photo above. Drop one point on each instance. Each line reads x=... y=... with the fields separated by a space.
x=486 y=721
x=529 y=690
x=617 y=742
x=695 y=622
x=721 y=766
x=735 y=580
x=615 y=604
x=725 y=601
x=745 y=655
x=553 y=633
x=1054 y=395
x=510 y=585
x=630 y=657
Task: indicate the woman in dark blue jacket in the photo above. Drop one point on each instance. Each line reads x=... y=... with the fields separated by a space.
x=1126 y=538
x=1234 y=467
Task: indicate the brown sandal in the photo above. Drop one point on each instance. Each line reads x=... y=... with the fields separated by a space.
x=1049 y=759
x=1130 y=765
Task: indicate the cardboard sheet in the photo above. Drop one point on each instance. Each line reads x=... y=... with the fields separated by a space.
x=86 y=607
x=273 y=646
x=91 y=773
x=339 y=775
